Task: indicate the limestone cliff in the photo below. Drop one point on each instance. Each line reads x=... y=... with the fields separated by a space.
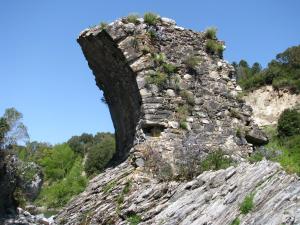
x=171 y=96
x=268 y=104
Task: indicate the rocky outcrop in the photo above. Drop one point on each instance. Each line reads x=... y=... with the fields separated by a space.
x=160 y=83
x=171 y=99
x=211 y=198
x=268 y=104
x=15 y=174
x=8 y=183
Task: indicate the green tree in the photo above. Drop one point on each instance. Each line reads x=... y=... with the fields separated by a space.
x=4 y=128
x=57 y=162
x=80 y=144
x=100 y=153
x=12 y=128
x=256 y=68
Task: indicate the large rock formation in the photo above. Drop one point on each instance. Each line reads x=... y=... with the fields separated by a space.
x=173 y=102
x=128 y=62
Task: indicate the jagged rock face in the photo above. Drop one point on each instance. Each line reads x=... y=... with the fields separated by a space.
x=211 y=198
x=147 y=115
x=15 y=174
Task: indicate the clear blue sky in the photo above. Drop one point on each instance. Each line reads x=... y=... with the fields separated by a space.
x=44 y=75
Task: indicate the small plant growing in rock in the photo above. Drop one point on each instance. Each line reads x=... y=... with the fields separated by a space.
x=103 y=25
x=214 y=47
x=109 y=186
x=133 y=18
x=235 y=113
x=156 y=164
x=188 y=96
x=236 y=221
x=182 y=112
x=255 y=157
x=192 y=62
x=134 y=43
x=159 y=58
x=183 y=125
x=151 y=18
x=247 y=205
x=146 y=49
x=157 y=78
x=134 y=219
x=211 y=32
x=215 y=161
x=152 y=34
x=169 y=68
x=239 y=133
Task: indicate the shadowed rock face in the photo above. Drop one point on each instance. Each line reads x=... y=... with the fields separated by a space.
x=114 y=76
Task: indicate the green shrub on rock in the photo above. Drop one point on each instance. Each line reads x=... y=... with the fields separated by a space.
x=214 y=47
x=133 y=18
x=211 y=32
x=215 y=161
x=151 y=18
x=157 y=78
x=247 y=205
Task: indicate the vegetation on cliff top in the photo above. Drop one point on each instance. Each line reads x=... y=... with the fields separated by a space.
x=282 y=72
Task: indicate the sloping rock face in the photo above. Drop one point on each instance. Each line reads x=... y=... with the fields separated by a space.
x=211 y=198
x=147 y=103
x=189 y=112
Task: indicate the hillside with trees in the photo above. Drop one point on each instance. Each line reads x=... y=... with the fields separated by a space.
x=281 y=72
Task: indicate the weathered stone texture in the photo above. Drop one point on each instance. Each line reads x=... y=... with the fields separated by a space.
x=122 y=57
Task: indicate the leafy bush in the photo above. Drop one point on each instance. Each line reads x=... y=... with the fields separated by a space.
x=211 y=32
x=99 y=155
x=157 y=78
x=214 y=47
x=151 y=18
x=247 y=205
x=132 y=18
x=289 y=123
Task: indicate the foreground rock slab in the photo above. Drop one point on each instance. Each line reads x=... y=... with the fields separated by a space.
x=214 y=197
